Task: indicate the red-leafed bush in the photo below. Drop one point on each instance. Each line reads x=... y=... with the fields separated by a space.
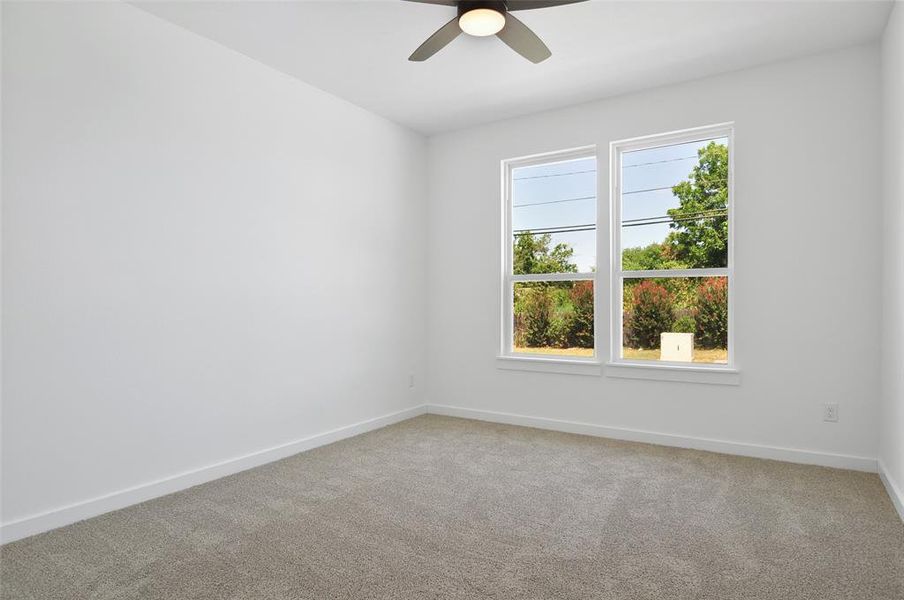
x=533 y=316
x=711 y=313
x=652 y=313
x=581 y=323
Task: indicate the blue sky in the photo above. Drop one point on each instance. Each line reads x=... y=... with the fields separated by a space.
x=564 y=194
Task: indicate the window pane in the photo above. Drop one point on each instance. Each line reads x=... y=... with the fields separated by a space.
x=675 y=206
x=553 y=317
x=554 y=217
x=677 y=319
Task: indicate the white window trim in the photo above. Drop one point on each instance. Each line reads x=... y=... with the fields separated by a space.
x=655 y=370
x=508 y=359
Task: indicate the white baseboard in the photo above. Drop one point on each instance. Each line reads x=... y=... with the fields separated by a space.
x=66 y=515
x=894 y=492
x=793 y=455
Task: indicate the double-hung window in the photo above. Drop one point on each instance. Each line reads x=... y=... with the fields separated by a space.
x=671 y=278
x=670 y=260
x=549 y=247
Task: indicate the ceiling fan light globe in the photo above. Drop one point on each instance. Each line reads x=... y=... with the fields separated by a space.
x=482 y=22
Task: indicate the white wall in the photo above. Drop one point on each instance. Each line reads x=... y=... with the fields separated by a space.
x=891 y=451
x=202 y=257
x=807 y=274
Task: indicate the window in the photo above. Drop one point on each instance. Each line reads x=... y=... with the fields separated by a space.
x=550 y=242
x=672 y=257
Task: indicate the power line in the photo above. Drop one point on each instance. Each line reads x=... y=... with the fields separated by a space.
x=643 y=164
x=553 y=175
x=698 y=216
x=551 y=230
x=658 y=162
x=656 y=189
x=708 y=212
x=668 y=187
x=554 y=201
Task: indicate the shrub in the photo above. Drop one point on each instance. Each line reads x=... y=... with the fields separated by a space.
x=558 y=330
x=711 y=314
x=651 y=315
x=684 y=324
x=581 y=327
x=536 y=316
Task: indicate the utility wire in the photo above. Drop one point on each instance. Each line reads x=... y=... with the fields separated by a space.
x=553 y=175
x=704 y=214
x=563 y=229
x=697 y=216
x=669 y=220
x=668 y=187
x=658 y=162
x=554 y=201
x=623 y=194
x=644 y=164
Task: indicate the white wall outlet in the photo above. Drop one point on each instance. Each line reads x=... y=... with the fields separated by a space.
x=830 y=413
x=411 y=380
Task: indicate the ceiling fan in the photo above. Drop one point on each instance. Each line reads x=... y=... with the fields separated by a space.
x=489 y=17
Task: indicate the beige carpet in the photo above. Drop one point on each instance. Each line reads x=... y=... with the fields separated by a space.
x=437 y=507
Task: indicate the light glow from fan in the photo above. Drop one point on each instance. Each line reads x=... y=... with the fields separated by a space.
x=482 y=22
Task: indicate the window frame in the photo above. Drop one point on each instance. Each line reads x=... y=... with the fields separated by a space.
x=508 y=358
x=676 y=371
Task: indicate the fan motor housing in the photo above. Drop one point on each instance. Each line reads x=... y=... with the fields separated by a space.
x=469 y=5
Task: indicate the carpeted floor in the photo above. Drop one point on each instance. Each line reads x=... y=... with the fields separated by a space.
x=437 y=507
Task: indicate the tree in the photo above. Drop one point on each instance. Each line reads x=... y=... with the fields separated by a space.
x=699 y=236
x=651 y=314
x=654 y=256
x=581 y=324
x=711 y=314
x=532 y=255
x=535 y=316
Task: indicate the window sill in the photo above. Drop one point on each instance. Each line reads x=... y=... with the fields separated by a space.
x=671 y=372
x=549 y=365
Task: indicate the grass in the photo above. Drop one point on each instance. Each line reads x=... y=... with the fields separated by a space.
x=585 y=352
x=716 y=355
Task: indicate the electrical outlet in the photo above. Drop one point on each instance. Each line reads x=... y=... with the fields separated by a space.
x=411 y=380
x=830 y=413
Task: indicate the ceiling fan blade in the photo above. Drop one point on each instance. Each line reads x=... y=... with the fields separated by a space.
x=522 y=40
x=529 y=4
x=437 y=41
x=440 y=2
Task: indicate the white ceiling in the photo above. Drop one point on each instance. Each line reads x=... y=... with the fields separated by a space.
x=359 y=50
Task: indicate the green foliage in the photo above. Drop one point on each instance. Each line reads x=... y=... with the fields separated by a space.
x=558 y=331
x=581 y=327
x=683 y=292
x=560 y=314
x=532 y=254
x=711 y=314
x=536 y=306
x=652 y=314
x=549 y=315
x=684 y=324
x=699 y=236
x=654 y=256
x=698 y=239
x=699 y=231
